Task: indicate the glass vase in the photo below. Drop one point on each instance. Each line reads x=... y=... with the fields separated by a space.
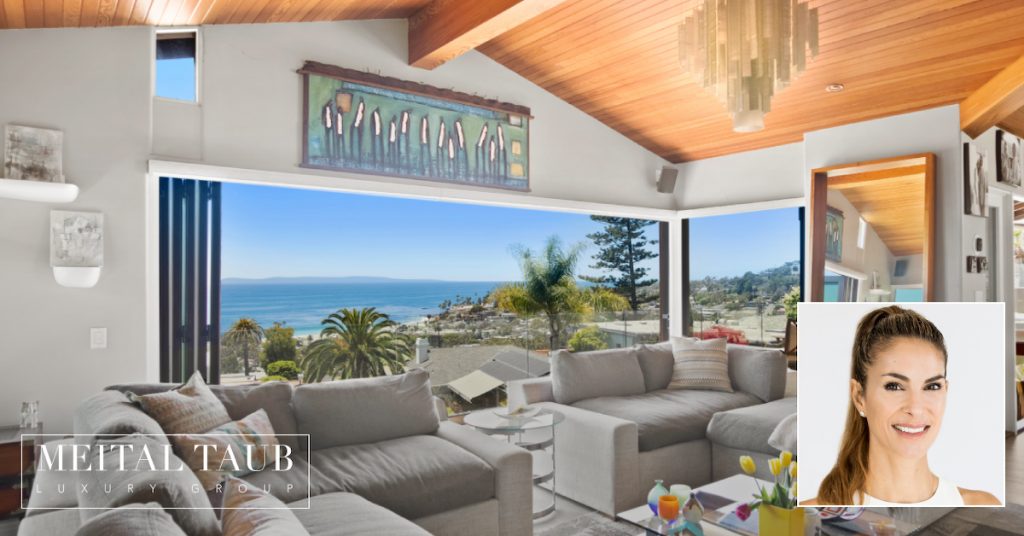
x=656 y=492
x=780 y=521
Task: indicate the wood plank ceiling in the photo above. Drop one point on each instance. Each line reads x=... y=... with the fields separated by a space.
x=617 y=60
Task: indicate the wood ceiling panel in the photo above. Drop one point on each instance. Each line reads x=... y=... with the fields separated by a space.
x=893 y=207
x=1014 y=123
x=618 y=61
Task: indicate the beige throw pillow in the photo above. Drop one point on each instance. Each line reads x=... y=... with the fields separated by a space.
x=700 y=365
x=250 y=511
x=189 y=409
x=252 y=434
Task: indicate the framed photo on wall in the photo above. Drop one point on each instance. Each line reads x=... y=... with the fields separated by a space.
x=1009 y=167
x=834 y=235
x=366 y=123
x=975 y=180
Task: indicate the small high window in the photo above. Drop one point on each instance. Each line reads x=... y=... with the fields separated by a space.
x=176 y=73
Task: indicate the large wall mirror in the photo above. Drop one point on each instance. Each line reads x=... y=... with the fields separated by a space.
x=872 y=230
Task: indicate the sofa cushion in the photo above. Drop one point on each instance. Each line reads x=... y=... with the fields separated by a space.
x=700 y=365
x=412 y=476
x=50 y=524
x=111 y=413
x=305 y=481
x=189 y=409
x=241 y=400
x=348 y=514
x=784 y=435
x=582 y=375
x=656 y=363
x=668 y=417
x=251 y=511
x=273 y=397
x=46 y=486
x=749 y=428
x=178 y=491
x=147 y=519
x=353 y=412
x=758 y=371
x=251 y=441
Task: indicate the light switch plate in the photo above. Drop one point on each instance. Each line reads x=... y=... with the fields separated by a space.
x=97 y=338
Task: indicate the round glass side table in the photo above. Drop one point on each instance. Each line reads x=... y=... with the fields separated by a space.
x=490 y=422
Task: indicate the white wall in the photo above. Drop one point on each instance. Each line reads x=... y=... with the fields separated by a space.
x=94 y=86
x=251 y=110
x=762 y=175
x=930 y=131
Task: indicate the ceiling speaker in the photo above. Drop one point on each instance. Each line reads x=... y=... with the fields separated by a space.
x=667 y=180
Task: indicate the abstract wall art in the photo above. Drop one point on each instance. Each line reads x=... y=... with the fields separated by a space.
x=834 y=235
x=1009 y=160
x=33 y=154
x=76 y=238
x=362 y=122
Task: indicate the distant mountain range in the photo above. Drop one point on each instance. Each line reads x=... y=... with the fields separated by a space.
x=322 y=280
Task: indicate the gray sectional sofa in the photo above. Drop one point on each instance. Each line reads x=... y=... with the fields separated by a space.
x=624 y=429
x=379 y=462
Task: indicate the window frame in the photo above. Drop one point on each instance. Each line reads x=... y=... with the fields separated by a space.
x=168 y=33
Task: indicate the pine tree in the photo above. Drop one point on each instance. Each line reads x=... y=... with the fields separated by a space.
x=623 y=247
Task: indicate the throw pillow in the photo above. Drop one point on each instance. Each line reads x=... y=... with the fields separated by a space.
x=784 y=435
x=147 y=519
x=189 y=409
x=250 y=511
x=582 y=375
x=700 y=365
x=253 y=433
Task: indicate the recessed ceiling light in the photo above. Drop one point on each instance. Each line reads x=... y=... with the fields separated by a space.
x=834 y=88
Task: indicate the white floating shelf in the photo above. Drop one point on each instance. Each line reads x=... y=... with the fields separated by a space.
x=43 y=192
x=77 y=276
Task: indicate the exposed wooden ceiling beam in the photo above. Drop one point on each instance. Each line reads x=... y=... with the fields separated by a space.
x=446 y=29
x=994 y=101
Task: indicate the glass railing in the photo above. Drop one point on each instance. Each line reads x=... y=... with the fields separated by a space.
x=758 y=324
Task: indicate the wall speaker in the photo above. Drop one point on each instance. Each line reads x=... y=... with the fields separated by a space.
x=667 y=180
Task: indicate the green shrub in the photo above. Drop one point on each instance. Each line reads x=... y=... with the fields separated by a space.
x=285 y=369
x=273 y=379
x=278 y=345
x=586 y=339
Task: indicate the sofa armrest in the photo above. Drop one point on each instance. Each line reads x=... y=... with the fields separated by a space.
x=513 y=468
x=441 y=408
x=596 y=459
x=531 y=391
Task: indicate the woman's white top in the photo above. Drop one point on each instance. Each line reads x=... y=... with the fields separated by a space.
x=947 y=494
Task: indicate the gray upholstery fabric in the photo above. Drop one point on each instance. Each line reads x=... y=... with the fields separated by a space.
x=172 y=489
x=529 y=391
x=352 y=412
x=749 y=428
x=55 y=523
x=758 y=371
x=306 y=481
x=47 y=484
x=348 y=514
x=142 y=388
x=273 y=397
x=148 y=519
x=668 y=416
x=656 y=363
x=784 y=435
x=253 y=512
x=110 y=412
x=583 y=375
x=513 y=477
x=413 y=476
x=480 y=519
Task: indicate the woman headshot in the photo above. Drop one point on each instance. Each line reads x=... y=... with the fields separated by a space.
x=897 y=398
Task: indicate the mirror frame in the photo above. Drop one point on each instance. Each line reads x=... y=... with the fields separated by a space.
x=819 y=205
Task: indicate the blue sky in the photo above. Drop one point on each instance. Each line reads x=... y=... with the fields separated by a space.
x=275 y=231
x=176 y=79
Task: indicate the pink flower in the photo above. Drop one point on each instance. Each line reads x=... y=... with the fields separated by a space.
x=743 y=511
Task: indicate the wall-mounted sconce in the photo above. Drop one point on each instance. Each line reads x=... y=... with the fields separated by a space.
x=76 y=247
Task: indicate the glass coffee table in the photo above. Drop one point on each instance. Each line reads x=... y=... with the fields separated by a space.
x=539 y=428
x=721 y=498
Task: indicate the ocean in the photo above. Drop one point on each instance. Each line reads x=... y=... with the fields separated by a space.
x=303 y=305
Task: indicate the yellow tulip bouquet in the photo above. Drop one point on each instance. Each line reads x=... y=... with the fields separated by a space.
x=782 y=494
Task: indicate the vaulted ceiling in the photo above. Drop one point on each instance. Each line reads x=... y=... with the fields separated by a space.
x=617 y=60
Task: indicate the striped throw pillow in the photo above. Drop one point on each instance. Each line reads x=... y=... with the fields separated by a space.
x=189 y=409
x=700 y=365
x=250 y=511
x=252 y=434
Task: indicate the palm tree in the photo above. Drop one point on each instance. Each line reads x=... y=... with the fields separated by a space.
x=356 y=343
x=549 y=288
x=245 y=331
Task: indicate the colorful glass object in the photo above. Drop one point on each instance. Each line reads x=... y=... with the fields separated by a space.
x=668 y=507
x=656 y=492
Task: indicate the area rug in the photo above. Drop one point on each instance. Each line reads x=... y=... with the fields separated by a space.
x=591 y=524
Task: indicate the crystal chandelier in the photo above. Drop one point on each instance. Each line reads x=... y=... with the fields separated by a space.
x=746 y=50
